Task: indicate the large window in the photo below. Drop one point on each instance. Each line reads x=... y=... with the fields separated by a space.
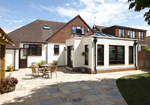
x=131 y=34
x=78 y=30
x=141 y=36
x=116 y=54
x=33 y=49
x=130 y=54
x=100 y=55
x=121 y=33
x=86 y=54
x=56 y=49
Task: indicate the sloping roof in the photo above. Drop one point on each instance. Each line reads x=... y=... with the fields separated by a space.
x=127 y=27
x=100 y=27
x=78 y=16
x=34 y=32
x=5 y=39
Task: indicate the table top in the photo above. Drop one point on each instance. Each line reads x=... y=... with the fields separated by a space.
x=45 y=65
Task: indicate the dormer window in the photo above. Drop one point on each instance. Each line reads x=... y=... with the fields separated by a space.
x=131 y=34
x=78 y=30
x=45 y=27
x=141 y=36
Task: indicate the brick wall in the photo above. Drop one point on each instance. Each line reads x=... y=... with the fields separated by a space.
x=144 y=60
x=66 y=32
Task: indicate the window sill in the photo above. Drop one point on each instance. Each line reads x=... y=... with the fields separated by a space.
x=116 y=64
x=34 y=55
x=100 y=65
x=56 y=54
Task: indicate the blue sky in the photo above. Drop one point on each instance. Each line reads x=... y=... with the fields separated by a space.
x=17 y=13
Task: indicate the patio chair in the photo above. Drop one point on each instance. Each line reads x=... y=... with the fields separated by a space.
x=53 y=70
x=35 y=71
x=36 y=65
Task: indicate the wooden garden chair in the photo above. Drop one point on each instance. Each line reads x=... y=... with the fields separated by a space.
x=35 y=70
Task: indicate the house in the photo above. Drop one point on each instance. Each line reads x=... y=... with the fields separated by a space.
x=43 y=40
x=125 y=32
x=4 y=40
x=64 y=42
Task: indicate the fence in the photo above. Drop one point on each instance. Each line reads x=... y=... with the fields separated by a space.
x=144 y=60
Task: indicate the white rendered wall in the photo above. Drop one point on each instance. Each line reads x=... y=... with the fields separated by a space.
x=9 y=58
x=51 y=56
x=33 y=58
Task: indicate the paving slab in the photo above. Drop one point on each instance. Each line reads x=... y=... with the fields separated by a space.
x=69 y=88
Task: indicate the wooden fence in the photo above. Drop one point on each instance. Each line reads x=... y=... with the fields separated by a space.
x=144 y=60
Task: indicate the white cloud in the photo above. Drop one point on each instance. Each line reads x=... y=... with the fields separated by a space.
x=106 y=12
x=0 y=16
x=67 y=4
x=17 y=21
x=4 y=9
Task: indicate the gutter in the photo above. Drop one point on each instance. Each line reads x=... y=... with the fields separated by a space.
x=135 y=43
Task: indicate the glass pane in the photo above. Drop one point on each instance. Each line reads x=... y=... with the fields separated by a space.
x=73 y=29
x=120 y=54
x=56 y=46
x=25 y=46
x=133 y=34
x=56 y=51
x=119 y=32
x=130 y=54
x=83 y=30
x=23 y=54
x=112 y=55
x=100 y=55
x=39 y=49
x=86 y=54
x=32 y=49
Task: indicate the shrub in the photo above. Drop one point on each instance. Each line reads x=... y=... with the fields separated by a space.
x=10 y=67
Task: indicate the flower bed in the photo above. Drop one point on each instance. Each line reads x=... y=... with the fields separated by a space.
x=8 y=84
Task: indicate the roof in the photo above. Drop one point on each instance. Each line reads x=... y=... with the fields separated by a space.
x=78 y=16
x=127 y=27
x=103 y=34
x=5 y=39
x=100 y=27
x=34 y=32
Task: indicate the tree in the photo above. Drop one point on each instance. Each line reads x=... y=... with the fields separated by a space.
x=140 y=5
x=146 y=48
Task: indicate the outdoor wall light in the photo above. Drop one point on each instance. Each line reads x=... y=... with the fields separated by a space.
x=72 y=48
x=65 y=49
x=135 y=42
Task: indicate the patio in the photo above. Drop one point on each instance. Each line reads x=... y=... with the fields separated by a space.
x=68 y=88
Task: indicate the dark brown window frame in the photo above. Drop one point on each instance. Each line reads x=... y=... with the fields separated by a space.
x=131 y=34
x=122 y=33
x=76 y=30
x=140 y=35
x=86 y=62
x=131 y=55
x=116 y=55
x=102 y=54
x=28 y=49
x=56 y=48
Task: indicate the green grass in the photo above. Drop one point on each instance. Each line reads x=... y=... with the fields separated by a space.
x=135 y=89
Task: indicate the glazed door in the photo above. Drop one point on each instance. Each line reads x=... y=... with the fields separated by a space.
x=22 y=58
x=69 y=63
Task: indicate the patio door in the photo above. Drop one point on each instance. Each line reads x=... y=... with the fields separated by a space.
x=22 y=58
x=69 y=63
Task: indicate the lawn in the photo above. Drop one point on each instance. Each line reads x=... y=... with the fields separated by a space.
x=135 y=89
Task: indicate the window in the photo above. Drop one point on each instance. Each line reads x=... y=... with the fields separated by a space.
x=33 y=49
x=131 y=54
x=116 y=54
x=78 y=30
x=121 y=33
x=100 y=55
x=131 y=34
x=141 y=37
x=86 y=54
x=45 y=27
x=56 y=49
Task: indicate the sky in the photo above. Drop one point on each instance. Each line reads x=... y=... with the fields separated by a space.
x=17 y=13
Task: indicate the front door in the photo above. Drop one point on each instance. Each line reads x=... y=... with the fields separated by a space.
x=69 y=63
x=22 y=58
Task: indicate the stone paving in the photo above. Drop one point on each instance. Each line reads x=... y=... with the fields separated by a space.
x=69 y=88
